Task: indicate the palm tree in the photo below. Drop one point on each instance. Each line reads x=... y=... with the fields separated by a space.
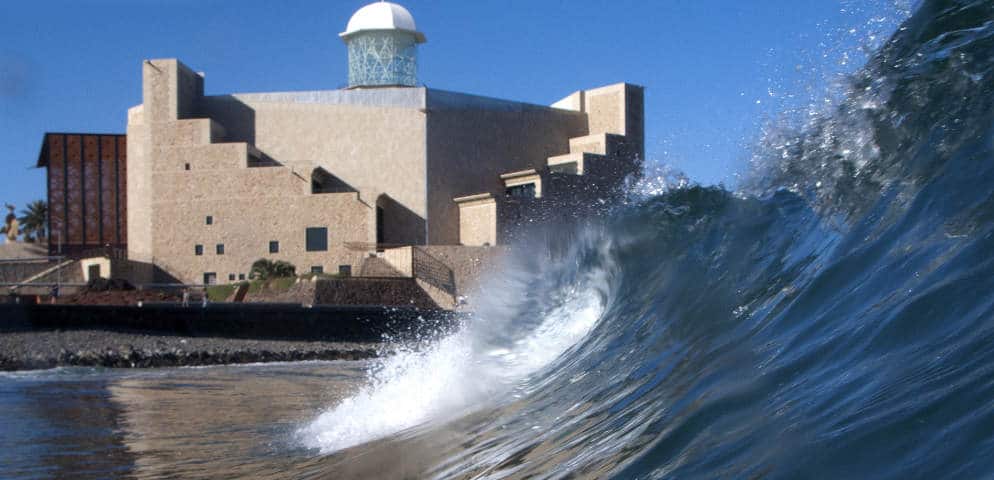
x=265 y=269
x=34 y=221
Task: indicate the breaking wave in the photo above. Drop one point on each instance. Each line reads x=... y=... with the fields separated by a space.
x=834 y=318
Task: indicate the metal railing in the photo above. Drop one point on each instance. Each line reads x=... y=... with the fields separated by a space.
x=432 y=271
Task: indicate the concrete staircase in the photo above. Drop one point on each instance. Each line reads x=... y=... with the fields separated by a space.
x=68 y=271
x=378 y=267
x=65 y=272
x=19 y=271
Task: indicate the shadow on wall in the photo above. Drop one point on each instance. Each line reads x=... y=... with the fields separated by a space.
x=323 y=181
x=237 y=118
x=397 y=224
x=161 y=276
x=141 y=272
x=239 y=122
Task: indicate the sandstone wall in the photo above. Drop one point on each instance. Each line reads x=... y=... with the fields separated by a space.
x=473 y=140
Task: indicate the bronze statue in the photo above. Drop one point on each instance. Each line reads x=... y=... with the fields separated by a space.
x=10 y=225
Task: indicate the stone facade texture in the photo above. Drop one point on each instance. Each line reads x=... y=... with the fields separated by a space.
x=375 y=167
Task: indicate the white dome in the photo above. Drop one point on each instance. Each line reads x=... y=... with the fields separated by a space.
x=382 y=16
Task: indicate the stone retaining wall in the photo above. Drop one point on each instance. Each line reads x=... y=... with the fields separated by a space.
x=372 y=291
x=260 y=321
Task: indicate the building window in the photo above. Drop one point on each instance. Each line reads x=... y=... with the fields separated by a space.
x=345 y=270
x=241 y=276
x=198 y=250
x=231 y=277
x=274 y=246
x=318 y=269
x=219 y=248
x=317 y=239
x=210 y=278
x=379 y=225
x=186 y=166
x=209 y=220
x=521 y=191
x=565 y=168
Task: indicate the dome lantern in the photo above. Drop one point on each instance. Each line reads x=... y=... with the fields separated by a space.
x=382 y=40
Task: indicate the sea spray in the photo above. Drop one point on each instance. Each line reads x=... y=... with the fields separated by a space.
x=470 y=369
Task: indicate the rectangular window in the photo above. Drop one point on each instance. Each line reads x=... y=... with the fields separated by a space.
x=241 y=276
x=274 y=246
x=231 y=277
x=317 y=269
x=521 y=191
x=379 y=226
x=219 y=248
x=210 y=278
x=566 y=168
x=345 y=270
x=198 y=249
x=209 y=220
x=317 y=239
x=186 y=167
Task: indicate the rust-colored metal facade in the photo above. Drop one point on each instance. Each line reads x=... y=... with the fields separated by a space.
x=87 y=193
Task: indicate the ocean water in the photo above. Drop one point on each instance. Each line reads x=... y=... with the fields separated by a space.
x=833 y=317
x=196 y=422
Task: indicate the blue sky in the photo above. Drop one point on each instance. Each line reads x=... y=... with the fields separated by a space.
x=714 y=70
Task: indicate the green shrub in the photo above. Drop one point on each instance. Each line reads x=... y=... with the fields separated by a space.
x=265 y=269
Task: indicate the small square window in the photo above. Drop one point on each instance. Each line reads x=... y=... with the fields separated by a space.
x=318 y=269
x=317 y=239
x=198 y=249
x=274 y=246
x=521 y=191
x=345 y=270
x=210 y=278
x=209 y=220
x=241 y=276
x=231 y=277
x=219 y=249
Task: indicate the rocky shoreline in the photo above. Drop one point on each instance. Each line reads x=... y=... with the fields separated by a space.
x=41 y=349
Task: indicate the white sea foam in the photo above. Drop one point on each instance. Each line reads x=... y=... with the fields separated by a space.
x=459 y=373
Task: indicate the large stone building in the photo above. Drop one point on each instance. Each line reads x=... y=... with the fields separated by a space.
x=321 y=179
